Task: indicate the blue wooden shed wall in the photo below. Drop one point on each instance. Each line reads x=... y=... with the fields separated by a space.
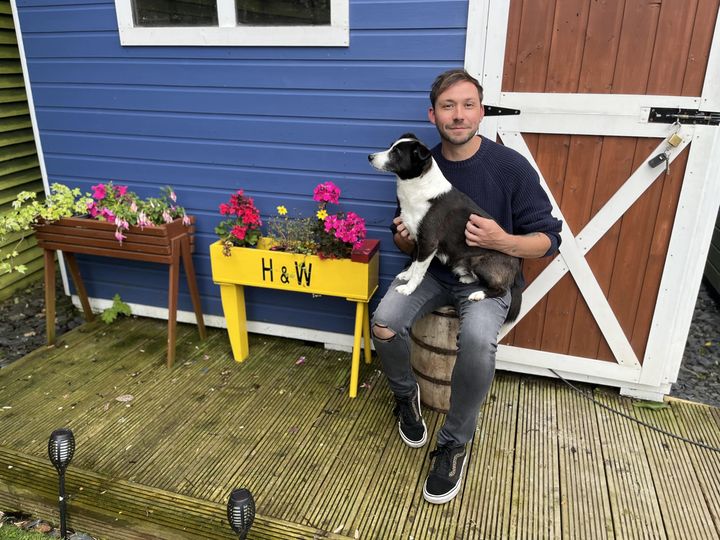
x=210 y=120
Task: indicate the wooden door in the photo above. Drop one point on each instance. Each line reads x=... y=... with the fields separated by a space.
x=616 y=304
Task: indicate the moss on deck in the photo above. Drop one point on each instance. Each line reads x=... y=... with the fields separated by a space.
x=545 y=463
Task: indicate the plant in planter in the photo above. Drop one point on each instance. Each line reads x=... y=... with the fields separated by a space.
x=111 y=204
x=113 y=222
x=329 y=236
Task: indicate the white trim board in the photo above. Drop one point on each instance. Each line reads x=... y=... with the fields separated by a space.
x=331 y=340
x=230 y=33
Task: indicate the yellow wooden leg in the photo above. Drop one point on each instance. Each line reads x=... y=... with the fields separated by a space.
x=366 y=332
x=233 y=302
x=355 y=367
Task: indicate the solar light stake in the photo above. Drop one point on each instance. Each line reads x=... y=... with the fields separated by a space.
x=241 y=511
x=61 y=448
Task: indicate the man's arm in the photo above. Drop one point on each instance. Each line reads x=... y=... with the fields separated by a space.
x=486 y=233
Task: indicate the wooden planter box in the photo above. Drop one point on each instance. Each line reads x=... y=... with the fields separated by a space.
x=166 y=244
x=355 y=279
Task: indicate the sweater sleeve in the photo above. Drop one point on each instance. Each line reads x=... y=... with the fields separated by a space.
x=532 y=211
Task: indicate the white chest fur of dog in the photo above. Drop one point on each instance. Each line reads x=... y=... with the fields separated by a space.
x=415 y=196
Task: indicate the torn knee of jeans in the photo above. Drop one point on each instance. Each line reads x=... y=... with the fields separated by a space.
x=382 y=332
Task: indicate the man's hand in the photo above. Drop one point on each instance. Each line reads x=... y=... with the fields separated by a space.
x=402 y=237
x=486 y=233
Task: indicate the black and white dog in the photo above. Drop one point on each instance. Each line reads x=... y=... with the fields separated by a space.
x=435 y=214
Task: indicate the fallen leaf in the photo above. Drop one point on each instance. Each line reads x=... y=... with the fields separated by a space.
x=652 y=405
x=339 y=529
x=708 y=343
x=366 y=385
x=124 y=398
x=29 y=334
x=357 y=534
x=300 y=361
x=281 y=392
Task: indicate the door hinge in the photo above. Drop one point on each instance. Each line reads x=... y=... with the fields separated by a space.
x=492 y=110
x=660 y=115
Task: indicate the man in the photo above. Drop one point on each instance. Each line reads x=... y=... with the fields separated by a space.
x=506 y=186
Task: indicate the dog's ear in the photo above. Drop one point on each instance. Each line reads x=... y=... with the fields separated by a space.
x=422 y=152
x=408 y=136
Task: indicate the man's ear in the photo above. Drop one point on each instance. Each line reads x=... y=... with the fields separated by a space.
x=431 y=115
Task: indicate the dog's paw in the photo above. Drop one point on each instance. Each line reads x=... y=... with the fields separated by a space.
x=477 y=296
x=404 y=275
x=467 y=279
x=405 y=289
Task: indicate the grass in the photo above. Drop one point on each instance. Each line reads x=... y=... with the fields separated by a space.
x=11 y=532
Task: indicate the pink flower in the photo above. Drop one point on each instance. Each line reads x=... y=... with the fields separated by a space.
x=119 y=236
x=133 y=207
x=186 y=220
x=167 y=217
x=122 y=190
x=92 y=208
x=143 y=220
x=326 y=192
x=108 y=215
x=98 y=191
x=173 y=196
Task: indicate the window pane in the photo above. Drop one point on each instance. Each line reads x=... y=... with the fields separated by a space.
x=175 y=12
x=283 y=12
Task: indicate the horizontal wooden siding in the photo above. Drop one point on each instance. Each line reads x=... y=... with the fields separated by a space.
x=210 y=120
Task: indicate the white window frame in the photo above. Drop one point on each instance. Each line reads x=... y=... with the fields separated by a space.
x=229 y=33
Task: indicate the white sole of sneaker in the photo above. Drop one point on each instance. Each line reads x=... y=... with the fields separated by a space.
x=414 y=444
x=445 y=497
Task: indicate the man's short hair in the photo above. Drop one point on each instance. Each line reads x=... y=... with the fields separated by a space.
x=447 y=79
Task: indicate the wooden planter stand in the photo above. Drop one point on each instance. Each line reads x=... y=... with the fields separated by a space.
x=355 y=279
x=166 y=244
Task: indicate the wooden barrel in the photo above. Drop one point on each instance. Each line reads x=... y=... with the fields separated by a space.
x=432 y=356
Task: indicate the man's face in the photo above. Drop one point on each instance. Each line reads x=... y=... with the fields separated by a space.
x=457 y=113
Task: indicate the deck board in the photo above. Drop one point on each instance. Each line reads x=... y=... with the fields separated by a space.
x=545 y=462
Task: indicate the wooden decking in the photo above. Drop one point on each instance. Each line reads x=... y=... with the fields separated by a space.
x=545 y=462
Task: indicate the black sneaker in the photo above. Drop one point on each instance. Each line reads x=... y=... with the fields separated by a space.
x=410 y=421
x=445 y=477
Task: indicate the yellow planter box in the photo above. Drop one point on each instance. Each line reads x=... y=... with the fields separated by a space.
x=261 y=267
x=356 y=280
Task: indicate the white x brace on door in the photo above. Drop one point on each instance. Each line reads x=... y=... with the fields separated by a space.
x=617 y=115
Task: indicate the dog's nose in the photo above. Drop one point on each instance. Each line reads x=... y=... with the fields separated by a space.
x=370 y=157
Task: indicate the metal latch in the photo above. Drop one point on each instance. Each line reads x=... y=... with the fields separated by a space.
x=492 y=110
x=660 y=115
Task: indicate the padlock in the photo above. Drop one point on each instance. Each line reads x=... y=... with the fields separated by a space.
x=674 y=140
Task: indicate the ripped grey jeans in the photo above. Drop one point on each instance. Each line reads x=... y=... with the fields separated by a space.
x=474 y=368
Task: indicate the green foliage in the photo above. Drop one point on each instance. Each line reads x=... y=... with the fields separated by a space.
x=118 y=308
x=11 y=532
x=27 y=211
x=294 y=235
x=114 y=204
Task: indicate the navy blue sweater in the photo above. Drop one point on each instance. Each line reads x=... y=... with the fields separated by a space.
x=505 y=185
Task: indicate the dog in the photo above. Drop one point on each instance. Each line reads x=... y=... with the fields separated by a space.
x=435 y=214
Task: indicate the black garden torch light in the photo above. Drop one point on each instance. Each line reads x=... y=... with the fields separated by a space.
x=241 y=511
x=61 y=448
